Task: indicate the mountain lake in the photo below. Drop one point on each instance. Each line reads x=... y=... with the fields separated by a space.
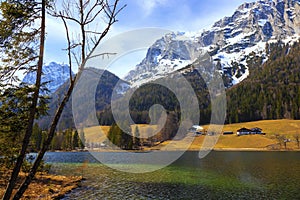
x=220 y=175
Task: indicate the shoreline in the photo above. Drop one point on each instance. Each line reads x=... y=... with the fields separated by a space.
x=46 y=186
x=232 y=149
x=256 y=149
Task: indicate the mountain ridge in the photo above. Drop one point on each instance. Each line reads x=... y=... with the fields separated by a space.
x=230 y=40
x=271 y=91
x=108 y=84
x=54 y=75
x=238 y=46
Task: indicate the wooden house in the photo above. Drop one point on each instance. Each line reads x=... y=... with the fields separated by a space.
x=243 y=131
x=256 y=130
x=252 y=131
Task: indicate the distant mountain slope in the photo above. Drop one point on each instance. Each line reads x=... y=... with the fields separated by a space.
x=262 y=76
x=106 y=85
x=53 y=74
x=272 y=90
x=229 y=41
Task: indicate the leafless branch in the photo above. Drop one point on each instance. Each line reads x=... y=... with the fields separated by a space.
x=102 y=54
x=69 y=48
x=65 y=16
x=88 y=21
x=96 y=4
x=76 y=58
x=112 y=20
x=88 y=11
x=93 y=32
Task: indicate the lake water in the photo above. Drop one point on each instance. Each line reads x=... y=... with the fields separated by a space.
x=220 y=175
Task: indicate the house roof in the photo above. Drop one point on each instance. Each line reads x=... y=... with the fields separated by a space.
x=256 y=129
x=243 y=130
x=197 y=127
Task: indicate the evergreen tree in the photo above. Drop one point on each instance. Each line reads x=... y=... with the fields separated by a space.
x=171 y=127
x=75 y=140
x=37 y=137
x=120 y=138
x=272 y=89
x=117 y=136
x=67 y=140
x=22 y=46
x=111 y=134
x=82 y=140
x=13 y=117
x=136 y=138
x=126 y=140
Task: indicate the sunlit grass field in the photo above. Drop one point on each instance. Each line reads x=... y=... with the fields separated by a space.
x=271 y=127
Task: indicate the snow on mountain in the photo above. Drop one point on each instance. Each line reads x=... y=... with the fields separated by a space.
x=122 y=87
x=228 y=41
x=170 y=53
x=54 y=75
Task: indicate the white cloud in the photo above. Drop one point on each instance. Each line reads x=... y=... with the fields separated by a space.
x=149 y=5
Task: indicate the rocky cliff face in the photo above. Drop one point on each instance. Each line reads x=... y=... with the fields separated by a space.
x=172 y=52
x=257 y=21
x=230 y=41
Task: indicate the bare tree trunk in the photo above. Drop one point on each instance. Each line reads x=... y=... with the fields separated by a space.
x=112 y=14
x=32 y=112
x=46 y=145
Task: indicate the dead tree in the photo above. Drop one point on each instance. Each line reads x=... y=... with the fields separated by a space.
x=84 y=14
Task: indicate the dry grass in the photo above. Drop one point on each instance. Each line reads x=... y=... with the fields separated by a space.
x=45 y=186
x=247 y=141
x=96 y=134
x=270 y=127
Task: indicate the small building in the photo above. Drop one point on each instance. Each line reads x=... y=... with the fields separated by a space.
x=252 y=131
x=243 y=131
x=196 y=128
x=227 y=133
x=256 y=130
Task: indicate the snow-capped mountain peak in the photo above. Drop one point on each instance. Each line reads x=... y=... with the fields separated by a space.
x=230 y=40
x=53 y=74
x=168 y=54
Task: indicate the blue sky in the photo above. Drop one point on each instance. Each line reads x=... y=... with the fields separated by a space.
x=181 y=15
x=175 y=15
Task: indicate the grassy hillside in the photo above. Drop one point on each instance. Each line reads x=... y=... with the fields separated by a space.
x=97 y=134
x=270 y=127
x=284 y=127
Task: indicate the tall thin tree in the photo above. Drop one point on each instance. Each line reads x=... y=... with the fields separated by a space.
x=89 y=13
x=31 y=8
